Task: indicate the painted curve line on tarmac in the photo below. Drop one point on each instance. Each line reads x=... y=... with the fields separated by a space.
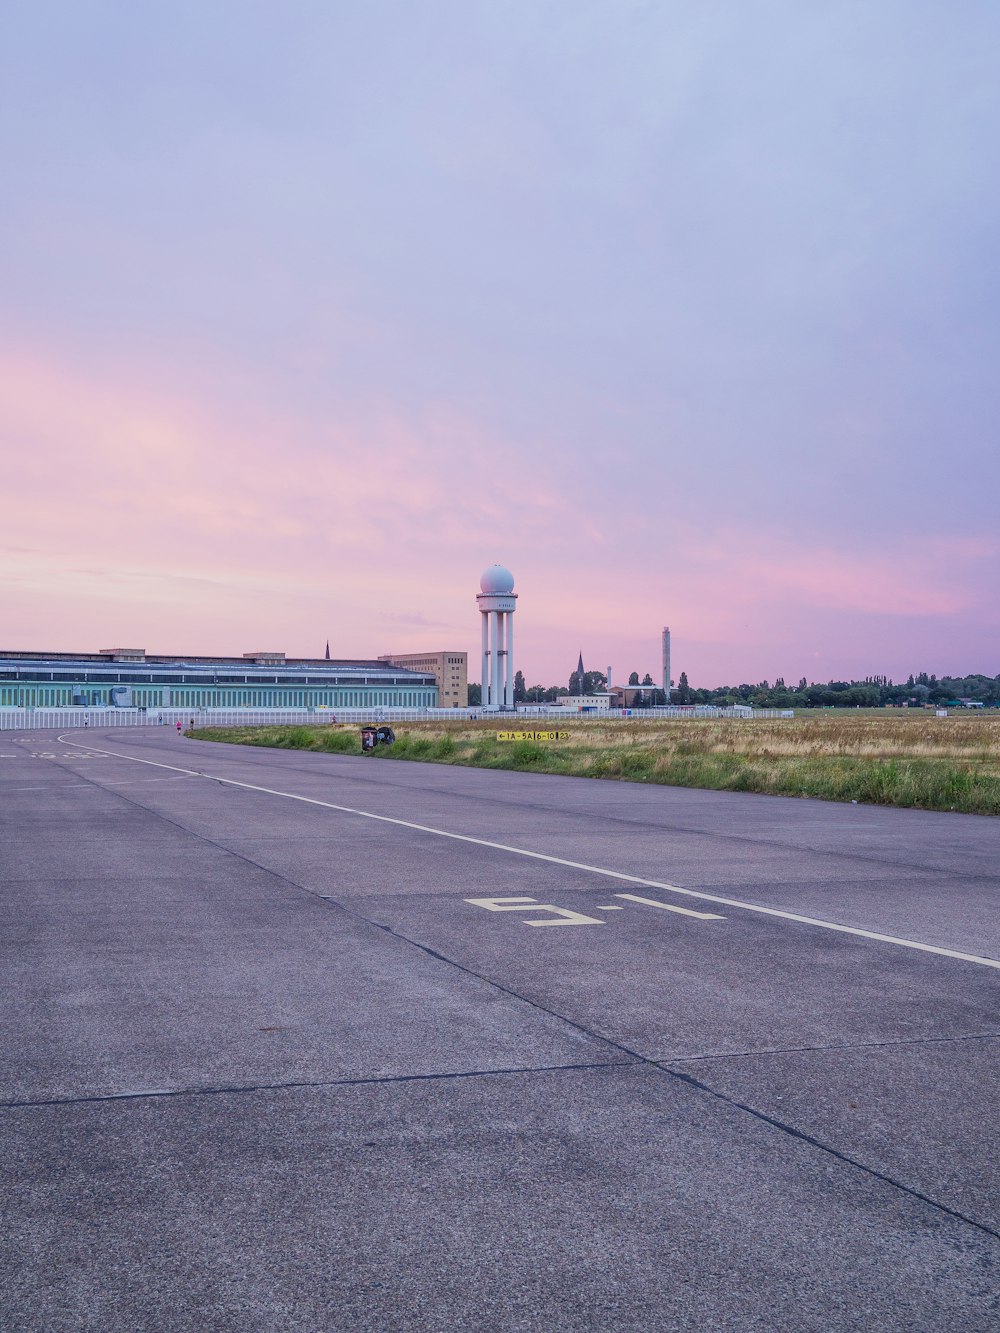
x=560 y=861
x=75 y=786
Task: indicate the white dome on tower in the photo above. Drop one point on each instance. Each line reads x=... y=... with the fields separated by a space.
x=497 y=580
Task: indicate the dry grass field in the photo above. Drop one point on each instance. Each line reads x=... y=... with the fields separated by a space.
x=887 y=758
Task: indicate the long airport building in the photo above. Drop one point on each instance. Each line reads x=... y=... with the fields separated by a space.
x=132 y=678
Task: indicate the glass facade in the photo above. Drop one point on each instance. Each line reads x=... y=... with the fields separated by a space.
x=51 y=682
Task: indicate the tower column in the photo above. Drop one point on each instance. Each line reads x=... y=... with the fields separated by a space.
x=501 y=657
x=509 y=691
x=484 y=687
x=494 y=651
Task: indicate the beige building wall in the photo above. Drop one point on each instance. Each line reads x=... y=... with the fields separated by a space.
x=451 y=671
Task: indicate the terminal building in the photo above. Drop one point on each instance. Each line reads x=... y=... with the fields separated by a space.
x=133 y=678
x=450 y=670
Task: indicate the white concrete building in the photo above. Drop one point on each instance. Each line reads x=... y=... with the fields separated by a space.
x=578 y=703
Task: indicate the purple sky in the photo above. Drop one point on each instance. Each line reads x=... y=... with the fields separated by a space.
x=686 y=312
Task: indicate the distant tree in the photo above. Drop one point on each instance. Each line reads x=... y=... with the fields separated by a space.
x=575 y=683
x=475 y=694
x=873 y=691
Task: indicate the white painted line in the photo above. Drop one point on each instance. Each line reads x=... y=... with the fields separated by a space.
x=502 y=904
x=565 y=915
x=671 y=907
x=612 y=907
x=577 y=865
x=62 y=786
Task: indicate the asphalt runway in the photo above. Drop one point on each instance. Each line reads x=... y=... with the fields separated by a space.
x=725 y=1062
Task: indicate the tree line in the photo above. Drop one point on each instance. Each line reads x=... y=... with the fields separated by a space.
x=872 y=692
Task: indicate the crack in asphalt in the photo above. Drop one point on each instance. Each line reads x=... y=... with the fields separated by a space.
x=360 y=1080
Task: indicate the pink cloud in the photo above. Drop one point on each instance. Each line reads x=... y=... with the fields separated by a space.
x=198 y=529
x=904 y=576
x=192 y=523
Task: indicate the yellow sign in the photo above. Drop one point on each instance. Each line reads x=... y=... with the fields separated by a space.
x=532 y=735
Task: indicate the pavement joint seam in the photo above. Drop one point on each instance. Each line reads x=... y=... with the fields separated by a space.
x=844 y=1046
x=637 y=1057
x=786 y=1128
x=223 y=1089
x=683 y=1077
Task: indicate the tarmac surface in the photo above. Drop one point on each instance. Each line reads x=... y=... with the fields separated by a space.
x=728 y=1062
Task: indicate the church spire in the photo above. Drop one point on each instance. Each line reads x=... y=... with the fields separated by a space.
x=328 y=650
x=579 y=671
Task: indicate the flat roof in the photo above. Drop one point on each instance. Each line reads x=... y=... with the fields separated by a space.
x=292 y=670
x=195 y=659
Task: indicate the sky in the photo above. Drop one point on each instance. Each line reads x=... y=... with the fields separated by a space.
x=688 y=313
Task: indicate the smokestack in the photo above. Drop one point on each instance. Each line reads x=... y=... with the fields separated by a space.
x=666 y=661
x=609 y=678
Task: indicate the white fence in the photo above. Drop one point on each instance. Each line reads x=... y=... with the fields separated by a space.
x=29 y=719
